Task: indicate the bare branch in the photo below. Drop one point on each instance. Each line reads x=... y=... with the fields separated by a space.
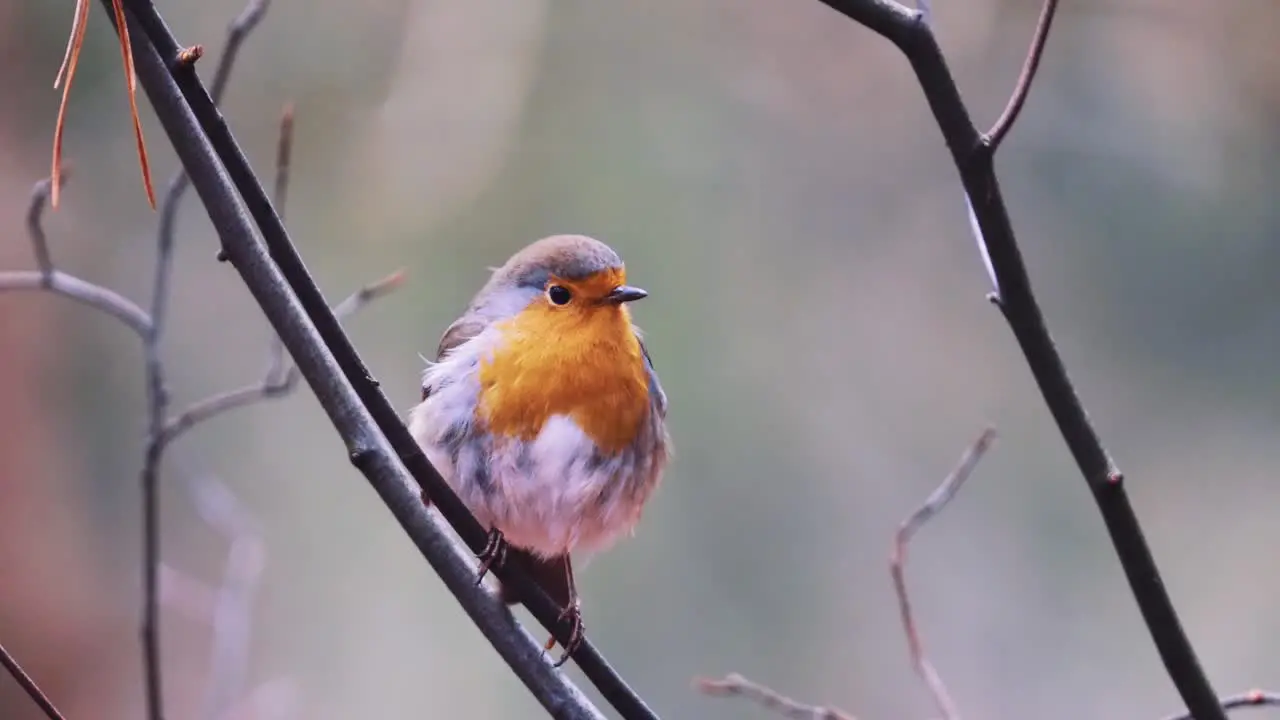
x=378 y=443
x=239 y=29
x=157 y=403
x=50 y=279
x=281 y=377
x=85 y=293
x=232 y=616
x=996 y=134
x=284 y=158
x=237 y=32
x=157 y=393
x=737 y=685
x=897 y=567
x=1252 y=698
x=35 y=223
x=284 y=162
x=28 y=685
x=734 y=685
x=1016 y=300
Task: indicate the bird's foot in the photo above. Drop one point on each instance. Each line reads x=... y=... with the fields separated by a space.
x=577 y=631
x=493 y=554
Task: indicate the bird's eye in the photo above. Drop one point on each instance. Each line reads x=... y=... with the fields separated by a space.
x=559 y=295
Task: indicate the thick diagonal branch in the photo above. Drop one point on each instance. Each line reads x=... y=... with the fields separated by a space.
x=973 y=159
x=282 y=285
x=28 y=685
x=367 y=446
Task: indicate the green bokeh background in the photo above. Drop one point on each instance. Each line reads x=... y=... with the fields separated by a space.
x=772 y=176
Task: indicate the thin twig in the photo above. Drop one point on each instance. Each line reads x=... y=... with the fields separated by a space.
x=996 y=134
x=284 y=159
x=28 y=685
x=734 y=685
x=237 y=32
x=35 y=224
x=280 y=196
x=157 y=392
x=52 y=280
x=973 y=159
x=1252 y=698
x=150 y=479
x=281 y=376
x=232 y=613
x=936 y=502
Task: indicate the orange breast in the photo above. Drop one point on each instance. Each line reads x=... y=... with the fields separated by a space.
x=583 y=362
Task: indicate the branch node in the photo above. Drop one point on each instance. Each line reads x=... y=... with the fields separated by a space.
x=993 y=137
x=359 y=457
x=188 y=56
x=734 y=684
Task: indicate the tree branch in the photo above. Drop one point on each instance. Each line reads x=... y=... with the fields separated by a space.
x=157 y=392
x=736 y=685
x=1252 y=698
x=281 y=378
x=972 y=155
x=1005 y=122
x=150 y=326
x=283 y=286
x=367 y=446
x=28 y=685
x=935 y=504
x=52 y=280
x=231 y=616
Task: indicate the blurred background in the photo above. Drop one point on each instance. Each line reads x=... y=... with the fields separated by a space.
x=773 y=177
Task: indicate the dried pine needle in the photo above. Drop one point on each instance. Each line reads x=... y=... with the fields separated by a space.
x=66 y=73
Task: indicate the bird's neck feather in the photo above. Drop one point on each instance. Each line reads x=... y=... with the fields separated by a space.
x=584 y=363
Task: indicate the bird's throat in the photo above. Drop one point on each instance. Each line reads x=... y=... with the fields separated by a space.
x=583 y=363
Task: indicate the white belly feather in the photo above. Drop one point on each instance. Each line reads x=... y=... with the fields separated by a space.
x=551 y=495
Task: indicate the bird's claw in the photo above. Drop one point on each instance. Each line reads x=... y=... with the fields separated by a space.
x=493 y=554
x=577 y=631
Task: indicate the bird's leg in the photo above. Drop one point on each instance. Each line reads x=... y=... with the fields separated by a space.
x=493 y=554
x=572 y=613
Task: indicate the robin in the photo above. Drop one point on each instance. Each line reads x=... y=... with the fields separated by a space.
x=544 y=413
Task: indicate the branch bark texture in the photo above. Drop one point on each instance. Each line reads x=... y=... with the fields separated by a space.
x=973 y=154
x=377 y=442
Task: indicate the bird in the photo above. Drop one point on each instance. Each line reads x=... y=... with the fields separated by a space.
x=544 y=413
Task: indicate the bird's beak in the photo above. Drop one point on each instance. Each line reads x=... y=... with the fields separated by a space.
x=625 y=294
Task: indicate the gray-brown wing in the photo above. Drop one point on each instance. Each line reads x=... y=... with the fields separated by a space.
x=656 y=393
x=462 y=330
